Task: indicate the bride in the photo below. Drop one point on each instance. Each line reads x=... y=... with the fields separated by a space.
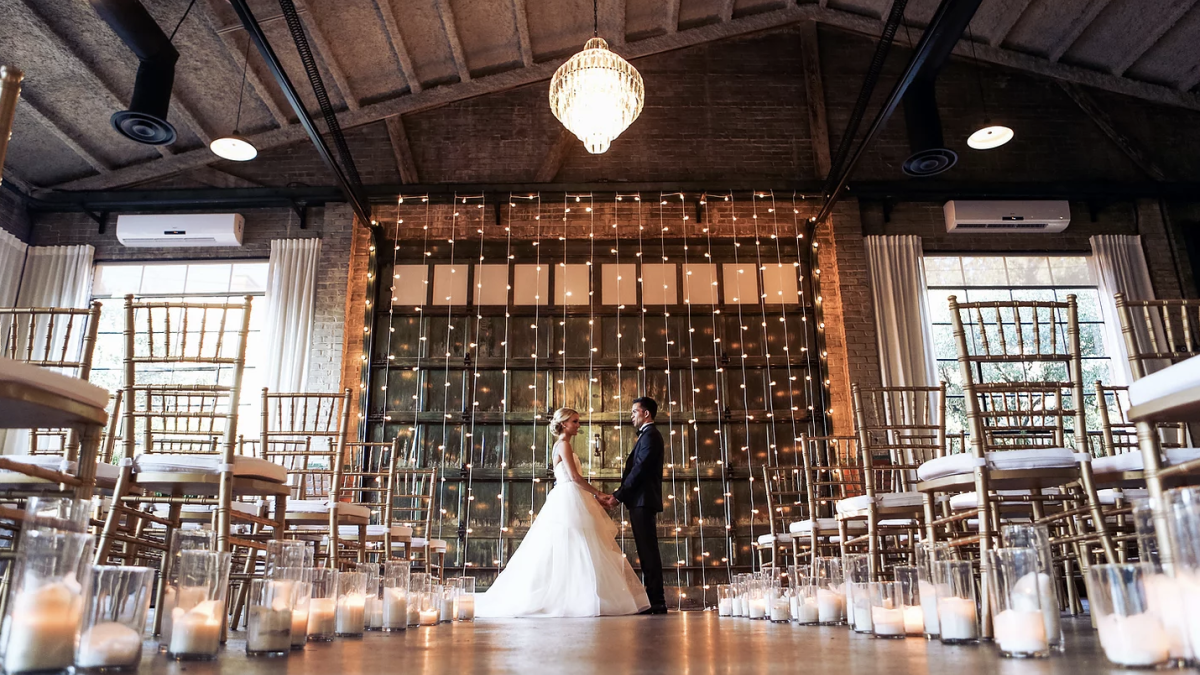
x=569 y=564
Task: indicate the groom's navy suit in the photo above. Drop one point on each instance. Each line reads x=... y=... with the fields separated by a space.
x=641 y=493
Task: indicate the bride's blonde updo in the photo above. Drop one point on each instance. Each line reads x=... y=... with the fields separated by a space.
x=560 y=418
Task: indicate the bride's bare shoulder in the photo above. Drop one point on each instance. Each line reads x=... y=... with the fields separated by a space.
x=560 y=452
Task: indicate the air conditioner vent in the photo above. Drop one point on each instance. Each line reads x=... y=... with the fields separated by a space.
x=1006 y=216
x=180 y=230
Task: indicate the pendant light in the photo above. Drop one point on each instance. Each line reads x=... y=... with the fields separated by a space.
x=234 y=146
x=596 y=94
x=988 y=135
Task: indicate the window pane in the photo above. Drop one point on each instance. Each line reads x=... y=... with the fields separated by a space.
x=208 y=278
x=984 y=271
x=114 y=281
x=1088 y=300
x=939 y=308
x=943 y=342
x=164 y=279
x=1071 y=270
x=943 y=271
x=249 y=278
x=1028 y=271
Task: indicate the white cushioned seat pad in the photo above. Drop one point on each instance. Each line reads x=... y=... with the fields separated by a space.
x=162 y=510
x=47 y=379
x=851 y=504
x=970 y=500
x=437 y=544
x=1132 y=461
x=418 y=542
x=401 y=531
x=322 y=506
x=772 y=538
x=824 y=524
x=351 y=531
x=249 y=467
x=897 y=522
x=1170 y=380
x=55 y=463
x=1108 y=496
x=887 y=500
x=1007 y=460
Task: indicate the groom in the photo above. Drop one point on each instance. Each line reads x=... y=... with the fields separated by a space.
x=641 y=492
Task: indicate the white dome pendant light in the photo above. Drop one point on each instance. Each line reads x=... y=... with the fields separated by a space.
x=596 y=94
x=234 y=146
x=988 y=135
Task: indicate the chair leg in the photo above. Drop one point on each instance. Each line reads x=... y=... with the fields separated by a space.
x=164 y=570
x=104 y=546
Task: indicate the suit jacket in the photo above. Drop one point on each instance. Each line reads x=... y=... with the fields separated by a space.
x=641 y=482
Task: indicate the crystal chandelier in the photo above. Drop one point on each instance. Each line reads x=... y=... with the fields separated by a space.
x=596 y=95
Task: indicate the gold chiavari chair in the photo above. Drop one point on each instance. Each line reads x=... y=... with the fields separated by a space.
x=832 y=473
x=412 y=510
x=367 y=478
x=899 y=428
x=1159 y=335
x=787 y=502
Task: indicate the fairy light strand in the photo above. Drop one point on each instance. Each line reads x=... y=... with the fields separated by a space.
x=719 y=400
x=768 y=380
x=668 y=343
x=441 y=501
x=742 y=328
x=537 y=308
x=695 y=428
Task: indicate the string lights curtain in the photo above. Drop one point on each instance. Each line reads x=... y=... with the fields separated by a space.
x=1119 y=266
x=291 y=301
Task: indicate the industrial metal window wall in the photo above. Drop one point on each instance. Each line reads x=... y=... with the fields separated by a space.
x=490 y=314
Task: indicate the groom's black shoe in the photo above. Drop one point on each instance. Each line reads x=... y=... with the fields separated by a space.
x=654 y=609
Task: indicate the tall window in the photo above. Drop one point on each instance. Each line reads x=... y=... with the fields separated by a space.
x=192 y=281
x=1000 y=278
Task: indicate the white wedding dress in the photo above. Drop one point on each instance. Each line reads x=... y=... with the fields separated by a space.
x=568 y=565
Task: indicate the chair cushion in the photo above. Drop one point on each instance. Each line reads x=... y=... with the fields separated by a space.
x=1132 y=461
x=322 y=506
x=47 y=379
x=249 y=467
x=1171 y=380
x=55 y=463
x=897 y=522
x=772 y=538
x=351 y=531
x=970 y=500
x=402 y=531
x=437 y=544
x=824 y=525
x=1006 y=460
x=1108 y=496
x=887 y=500
x=247 y=508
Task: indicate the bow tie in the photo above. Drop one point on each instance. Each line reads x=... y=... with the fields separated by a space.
x=644 y=428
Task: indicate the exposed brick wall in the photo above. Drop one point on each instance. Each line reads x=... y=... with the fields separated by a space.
x=331 y=224
x=14 y=219
x=354 y=294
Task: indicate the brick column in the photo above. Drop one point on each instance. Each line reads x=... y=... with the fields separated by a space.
x=1159 y=249
x=356 y=298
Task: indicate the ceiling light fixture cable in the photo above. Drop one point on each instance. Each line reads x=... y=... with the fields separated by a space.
x=185 y=15
x=234 y=146
x=989 y=135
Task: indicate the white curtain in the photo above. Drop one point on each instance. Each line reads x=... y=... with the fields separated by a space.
x=1119 y=267
x=291 y=297
x=12 y=260
x=54 y=276
x=897 y=270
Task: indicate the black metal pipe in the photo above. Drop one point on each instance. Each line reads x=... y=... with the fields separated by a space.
x=146 y=119
x=353 y=194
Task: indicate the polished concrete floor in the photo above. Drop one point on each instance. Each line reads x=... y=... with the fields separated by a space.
x=690 y=642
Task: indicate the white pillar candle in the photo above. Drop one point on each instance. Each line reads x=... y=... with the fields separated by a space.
x=186 y=598
x=109 y=644
x=374 y=612
x=43 y=627
x=1190 y=593
x=1137 y=640
x=269 y=629
x=299 y=627
x=351 y=614
x=806 y=611
x=1024 y=591
x=831 y=606
x=860 y=601
x=914 y=620
x=197 y=631
x=758 y=608
x=739 y=608
x=414 y=611
x=725 y=607
x=1021 y=632
x=887 y=622
x=928 y=594
x=781 y=610
x=446 y=611
x=956 y=617
x=395 y=608
x=1167 y=598
x=429 y=617
x=322 y=617
x=464 y=607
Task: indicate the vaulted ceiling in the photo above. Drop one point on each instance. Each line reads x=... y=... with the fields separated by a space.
x=381 y=59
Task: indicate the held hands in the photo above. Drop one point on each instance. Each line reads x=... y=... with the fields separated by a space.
x=607 y=501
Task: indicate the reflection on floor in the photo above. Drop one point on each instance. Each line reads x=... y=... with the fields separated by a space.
x=690 y=642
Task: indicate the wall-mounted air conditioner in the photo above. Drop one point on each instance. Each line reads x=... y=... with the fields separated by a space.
x=1006 y=216
x=192 y=229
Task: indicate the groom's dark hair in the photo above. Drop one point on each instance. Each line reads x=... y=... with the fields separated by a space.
x=648 y=404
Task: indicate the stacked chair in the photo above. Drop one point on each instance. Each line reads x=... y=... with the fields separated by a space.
x=832 y=473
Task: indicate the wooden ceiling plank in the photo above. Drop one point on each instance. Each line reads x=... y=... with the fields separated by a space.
x=325 y=52
x=405 y=162
x=672 y=19
x=612 y=21
x=818 y=124
x=1163 y=22
x=436 y=97
x=726 y=12
x=1007 y=20
x=217 y=178
x=62 y=135
x=456 y=49
x=521 y=17
x=1129 y=146
x=407 y=69
x=260 y=87
x=1076 y=28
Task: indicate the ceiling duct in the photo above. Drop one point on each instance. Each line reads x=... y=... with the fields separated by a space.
x=146 y=120
x=929 y=154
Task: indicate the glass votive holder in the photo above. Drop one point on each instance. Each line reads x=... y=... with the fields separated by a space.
x=739 y=595
x=374 y=603
x=831 y=591
x=46 y=600
x=418 y=585
x=63 y=514
x=351 y=604
x=449 y=593
x=858 y=578
x=887 y=609
x=269 y=621
x=803 y=603
x=1037 y=537
x=1017 y=619
x=298 y=580
x=781 y=605
x=199 y=605
x=431 y=605
x=910 y=599
x=464 y=602
x=927 y=555
x=395 y=595
x=114 y=619
x=322 y=606
x=725 y=595
x=757 y=599
x=181 y=540
x=1131 y=632
x=957 y=616
x=288 y=554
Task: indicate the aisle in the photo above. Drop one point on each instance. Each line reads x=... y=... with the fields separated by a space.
x=677 y=643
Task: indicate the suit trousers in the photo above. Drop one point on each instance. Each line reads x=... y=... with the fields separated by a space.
x=645 y=536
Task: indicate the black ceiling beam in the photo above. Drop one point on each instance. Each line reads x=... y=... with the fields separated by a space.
x=938 y=40
x=352 y=192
